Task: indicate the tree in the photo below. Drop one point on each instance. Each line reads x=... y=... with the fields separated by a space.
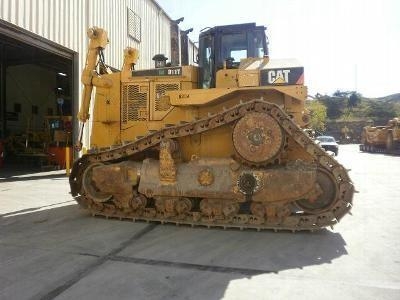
x=340 y=94
x=354 y=100
x=381 y=112
x=318 y=115
x=334 y=107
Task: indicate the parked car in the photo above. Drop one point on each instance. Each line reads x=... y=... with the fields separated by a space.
x=328 y=143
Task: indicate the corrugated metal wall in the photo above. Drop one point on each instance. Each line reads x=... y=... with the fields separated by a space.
x=66 y=21
x=61 y=21
x=154 y=29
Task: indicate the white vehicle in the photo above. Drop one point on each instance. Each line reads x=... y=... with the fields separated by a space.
x=328 y=143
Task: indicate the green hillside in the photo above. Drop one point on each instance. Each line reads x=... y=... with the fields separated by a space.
x=350 y=111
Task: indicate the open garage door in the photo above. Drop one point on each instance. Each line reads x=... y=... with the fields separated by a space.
x=38 y=100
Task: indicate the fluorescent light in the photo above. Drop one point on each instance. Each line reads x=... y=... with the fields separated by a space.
x=62 y=74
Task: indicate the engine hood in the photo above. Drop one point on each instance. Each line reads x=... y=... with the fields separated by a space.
x=275 y=71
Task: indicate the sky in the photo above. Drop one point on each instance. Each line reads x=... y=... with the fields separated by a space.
x=347 y=45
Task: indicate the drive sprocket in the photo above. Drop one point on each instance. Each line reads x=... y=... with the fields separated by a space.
x=257 y=138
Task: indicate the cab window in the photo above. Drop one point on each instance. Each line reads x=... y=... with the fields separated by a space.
x=234 y=46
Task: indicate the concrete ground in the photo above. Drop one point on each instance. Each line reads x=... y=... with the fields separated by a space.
x=51 y=249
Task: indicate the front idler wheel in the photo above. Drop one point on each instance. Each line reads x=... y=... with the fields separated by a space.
x=325 y=194
x=90 y=188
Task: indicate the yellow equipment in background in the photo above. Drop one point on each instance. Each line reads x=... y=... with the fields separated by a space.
x=382 y=138
x=45 y=146
x=218 y=144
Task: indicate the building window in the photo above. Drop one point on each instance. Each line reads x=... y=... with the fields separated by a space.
x=134 y=25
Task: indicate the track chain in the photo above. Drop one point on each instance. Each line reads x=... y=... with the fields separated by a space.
x=294 y=222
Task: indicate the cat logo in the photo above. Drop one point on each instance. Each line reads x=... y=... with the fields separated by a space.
x=278 y=76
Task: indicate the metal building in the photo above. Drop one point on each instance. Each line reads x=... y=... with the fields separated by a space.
x=43 y=46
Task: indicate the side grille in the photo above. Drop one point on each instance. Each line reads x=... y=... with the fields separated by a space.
x=161 y=88
x=134 y=104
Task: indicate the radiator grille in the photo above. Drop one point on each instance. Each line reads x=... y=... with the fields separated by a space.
x=161 y=88
x=134 y=104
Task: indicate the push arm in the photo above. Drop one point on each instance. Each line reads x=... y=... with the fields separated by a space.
x=97 y=42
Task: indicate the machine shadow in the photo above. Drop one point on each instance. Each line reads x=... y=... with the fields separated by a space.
x=192 y=254
x=246 y=252
x=257 y=252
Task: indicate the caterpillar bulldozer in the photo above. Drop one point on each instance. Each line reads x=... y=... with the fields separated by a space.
x=382 y=139
x=220 y=144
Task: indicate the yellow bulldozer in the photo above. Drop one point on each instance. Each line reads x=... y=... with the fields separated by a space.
x=382 y=139
x=220 y=144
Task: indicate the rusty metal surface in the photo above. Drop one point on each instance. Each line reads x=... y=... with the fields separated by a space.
x=167 y=168
x=268 y=216
x=257 y=137
x=187 y=184
x=116 y=180
x=278 y=184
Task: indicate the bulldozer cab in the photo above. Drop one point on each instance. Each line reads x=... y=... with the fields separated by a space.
x=225 y=46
